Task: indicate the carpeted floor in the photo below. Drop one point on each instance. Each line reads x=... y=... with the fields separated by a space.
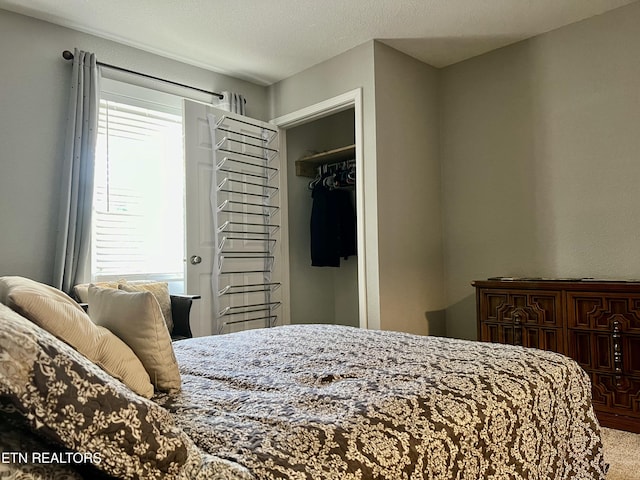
x=622 y=451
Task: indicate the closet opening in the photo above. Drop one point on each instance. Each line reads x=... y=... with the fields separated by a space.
x=321 y=181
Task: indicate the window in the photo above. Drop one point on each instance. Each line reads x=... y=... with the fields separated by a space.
x=138 y=227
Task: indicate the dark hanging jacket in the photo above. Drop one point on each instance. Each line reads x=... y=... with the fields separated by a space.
x=333 y=226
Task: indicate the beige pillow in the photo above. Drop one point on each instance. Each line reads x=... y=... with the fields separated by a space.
x=81 y=291
x=61 y=316
x=160 y=290
x=136 y=318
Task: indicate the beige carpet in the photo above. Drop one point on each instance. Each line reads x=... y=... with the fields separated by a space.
x=622 y=451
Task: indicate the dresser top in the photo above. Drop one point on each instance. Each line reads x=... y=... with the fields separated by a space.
x=587 y=283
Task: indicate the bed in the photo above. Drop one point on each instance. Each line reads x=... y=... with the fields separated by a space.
x=320 y=401
x=302 y=402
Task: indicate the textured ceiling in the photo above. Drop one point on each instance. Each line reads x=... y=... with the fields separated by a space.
x=267 y=40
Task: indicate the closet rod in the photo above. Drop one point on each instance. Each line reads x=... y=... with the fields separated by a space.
x=67 y=55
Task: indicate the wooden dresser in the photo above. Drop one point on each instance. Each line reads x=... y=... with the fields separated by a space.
x=597 y=323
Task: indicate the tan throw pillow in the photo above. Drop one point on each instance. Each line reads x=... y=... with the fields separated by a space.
x=160 y=290
x=56 y=312
x=136 y=318
x=81 y=291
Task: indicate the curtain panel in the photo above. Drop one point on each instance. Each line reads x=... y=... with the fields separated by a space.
x=73 y=246
x=233 y=102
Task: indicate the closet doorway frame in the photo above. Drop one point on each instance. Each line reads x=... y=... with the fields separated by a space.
x=345 y=101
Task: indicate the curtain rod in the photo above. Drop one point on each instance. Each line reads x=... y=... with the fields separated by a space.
x=67 y=55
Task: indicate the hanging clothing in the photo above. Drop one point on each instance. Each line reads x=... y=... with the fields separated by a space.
x=333 y=226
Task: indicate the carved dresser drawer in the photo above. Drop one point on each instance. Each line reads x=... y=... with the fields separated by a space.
x=531 y=318
x=604 y=338
x=597 y=323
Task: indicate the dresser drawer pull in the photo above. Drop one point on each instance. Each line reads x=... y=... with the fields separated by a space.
x=616 y=338
x=517 y=330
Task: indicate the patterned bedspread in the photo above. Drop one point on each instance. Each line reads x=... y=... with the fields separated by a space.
x=329 y=402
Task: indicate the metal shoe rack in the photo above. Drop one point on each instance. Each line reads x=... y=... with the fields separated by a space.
x=246 y=216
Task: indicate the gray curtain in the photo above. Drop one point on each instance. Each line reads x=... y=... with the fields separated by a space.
x=233 y=102
x=72 y=262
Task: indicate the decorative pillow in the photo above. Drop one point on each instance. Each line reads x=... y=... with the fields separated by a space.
x=136 y=318
x=81 y=291
x=68 y=400
x=57 y=313
x=160 y=290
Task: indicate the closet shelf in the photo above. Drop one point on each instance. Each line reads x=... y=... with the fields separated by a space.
x=306 y=166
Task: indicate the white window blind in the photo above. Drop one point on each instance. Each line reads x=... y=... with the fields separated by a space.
x=138 y=223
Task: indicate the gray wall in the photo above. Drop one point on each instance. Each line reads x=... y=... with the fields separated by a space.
x=539 y=156
x=412 y=297
x=33 y=101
